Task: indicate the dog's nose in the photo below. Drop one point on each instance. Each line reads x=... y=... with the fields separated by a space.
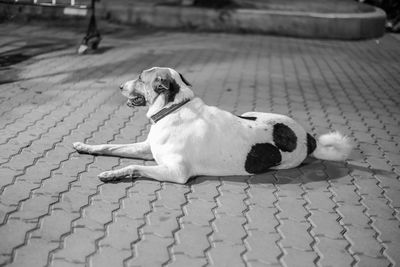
x=121 y=86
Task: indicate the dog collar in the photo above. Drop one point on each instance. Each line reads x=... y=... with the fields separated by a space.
x=165 y=111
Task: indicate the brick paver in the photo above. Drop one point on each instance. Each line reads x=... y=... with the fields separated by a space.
x=55 y=212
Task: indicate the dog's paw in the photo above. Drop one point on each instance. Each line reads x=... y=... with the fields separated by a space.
x=81 y=147
x=107 y=176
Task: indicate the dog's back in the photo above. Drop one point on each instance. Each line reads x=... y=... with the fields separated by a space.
x=212 y=141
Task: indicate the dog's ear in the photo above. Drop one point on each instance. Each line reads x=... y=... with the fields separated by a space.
x=161 y=85
x=166 y=85
x=184 y=80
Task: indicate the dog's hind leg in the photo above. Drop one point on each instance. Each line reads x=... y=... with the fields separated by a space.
x=163 y=173
x=136 y=150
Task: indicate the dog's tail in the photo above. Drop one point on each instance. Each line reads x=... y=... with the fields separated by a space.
x=333 y=146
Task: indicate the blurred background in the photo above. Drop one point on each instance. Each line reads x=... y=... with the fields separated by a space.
x=205 y=14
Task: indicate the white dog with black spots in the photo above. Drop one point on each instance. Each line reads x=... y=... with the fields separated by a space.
x=189 y=138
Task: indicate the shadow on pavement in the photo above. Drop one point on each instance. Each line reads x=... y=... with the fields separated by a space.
x=330 y=171
x=22 y=53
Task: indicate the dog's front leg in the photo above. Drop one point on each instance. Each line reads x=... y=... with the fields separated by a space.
x=136 y=150
x=175 y=174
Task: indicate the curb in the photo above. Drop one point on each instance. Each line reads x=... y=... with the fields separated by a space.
x=351 y=26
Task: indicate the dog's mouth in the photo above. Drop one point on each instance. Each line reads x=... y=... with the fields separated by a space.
x=137 y=100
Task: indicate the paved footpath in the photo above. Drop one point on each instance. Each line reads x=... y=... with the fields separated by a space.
x=55 y=212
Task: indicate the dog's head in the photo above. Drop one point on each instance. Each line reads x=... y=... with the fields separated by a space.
x=164 y=85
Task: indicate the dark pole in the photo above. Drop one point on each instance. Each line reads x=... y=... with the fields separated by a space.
x=92 y=38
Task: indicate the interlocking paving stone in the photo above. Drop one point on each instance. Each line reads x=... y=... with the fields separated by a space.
x=55 y=212
x=326 y=224
x=257 y=241
x=333 y=252
x=297 y=257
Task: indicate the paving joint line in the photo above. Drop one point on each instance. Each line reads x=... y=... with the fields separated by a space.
x=339 y=219
x=382 y=77
x=206 y=85
x=369 y=128
x=176 y=230
x=98 y=240
x=183 y=205
x=182 y=215
x=59 y=92
x=301 y=185
x=371 y=221
x=36 y=95
x=107 y=224
x=28 y=233
x=370 y=90
x=209 y=235
x=246 y=222
x=388 y=202
x=255 y=85
x=335 y=208
x=33 y=123
x=79 y=174
x=47 y=150
x=313 y=244
x=353 y=254
x=19 y=84
x=47 y=130
x=378 y=182
x=365 y=212
x=278 y=242
x=140 y=228
x=2 y=188
x=223 y=83
x=65 y=235
x=133 y=244
x=306 y=205
x=206 y=251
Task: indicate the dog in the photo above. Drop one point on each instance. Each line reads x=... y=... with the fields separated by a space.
x=189 y=138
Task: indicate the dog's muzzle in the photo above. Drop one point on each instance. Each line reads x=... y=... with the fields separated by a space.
x=136 y=100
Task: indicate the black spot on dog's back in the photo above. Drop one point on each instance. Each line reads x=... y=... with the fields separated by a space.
x=261 y=157
x=248 y=118
x=284 y=137
x=311 y=144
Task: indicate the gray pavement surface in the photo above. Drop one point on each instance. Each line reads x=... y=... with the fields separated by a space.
x=55 y=212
